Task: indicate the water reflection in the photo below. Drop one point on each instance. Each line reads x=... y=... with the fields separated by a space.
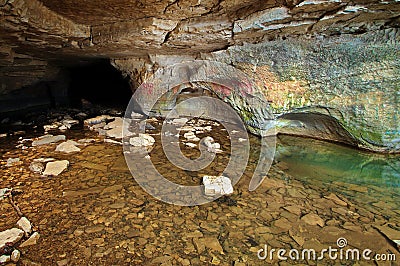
x=316 y=159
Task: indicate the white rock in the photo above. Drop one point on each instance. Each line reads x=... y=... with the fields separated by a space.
x=3 y=135
x=142 y=141
x=68 y=147
x=211 y=145
x=97 y=126
x=15 y=255
x=112 y=141
x=97 y=119
x=216 y=145
x=86 y=140
x=179 y=121
x=69 y=122
x=191 y=145
x=12 y=161
x=25 y=225
x=3 y=191
x=186 y=128
x=190 y=136
x=55 y=168
x=115 y=133
x=44 y=160
x=31 y=241
x=4 y=259
x=217 y=185
x=115 y=129
x=36 y=167
x=63 y=127
x=116 y=123
x=47 y=139
x=12 y=235
x=51 y=127
x=135 y=115
x=81 y=114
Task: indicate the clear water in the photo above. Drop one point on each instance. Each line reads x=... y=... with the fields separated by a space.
x=364 y=176
x=95 y=213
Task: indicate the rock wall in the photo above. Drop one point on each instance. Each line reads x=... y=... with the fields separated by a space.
x=353 y=80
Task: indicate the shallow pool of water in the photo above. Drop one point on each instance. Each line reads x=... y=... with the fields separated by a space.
x=95 y=213
x=367 y=177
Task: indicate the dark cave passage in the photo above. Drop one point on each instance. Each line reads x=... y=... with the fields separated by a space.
x=98 y=83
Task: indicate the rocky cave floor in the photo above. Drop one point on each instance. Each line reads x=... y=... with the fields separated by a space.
x=94 y=212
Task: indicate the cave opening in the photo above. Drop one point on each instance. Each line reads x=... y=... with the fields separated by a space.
x=98 y=83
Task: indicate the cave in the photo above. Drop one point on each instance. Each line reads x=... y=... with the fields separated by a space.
x=98 y=83
x=85 y=171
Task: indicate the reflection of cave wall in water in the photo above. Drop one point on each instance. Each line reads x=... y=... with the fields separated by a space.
x=99 y=83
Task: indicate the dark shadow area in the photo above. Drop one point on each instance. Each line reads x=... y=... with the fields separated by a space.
x=98 y=83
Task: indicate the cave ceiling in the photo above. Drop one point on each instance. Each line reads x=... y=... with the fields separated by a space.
x=34 y=34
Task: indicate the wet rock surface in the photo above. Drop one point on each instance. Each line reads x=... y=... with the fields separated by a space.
x=95 y=212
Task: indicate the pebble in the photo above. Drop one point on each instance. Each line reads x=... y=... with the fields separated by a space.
x=15 y=255
x=191 y=145
x=3 y=191
x=12 y=161
x=191 y=136
x=4 y=259
x=36 y=167
x=55 y=168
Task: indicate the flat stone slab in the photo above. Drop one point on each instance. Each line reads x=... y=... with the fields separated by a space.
x=47 y=139
x=142 y=141
x=12 y=235
x=217 y=185
x=55 y=168
x=31 y=241
x=25 y=225
x=68 y=147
